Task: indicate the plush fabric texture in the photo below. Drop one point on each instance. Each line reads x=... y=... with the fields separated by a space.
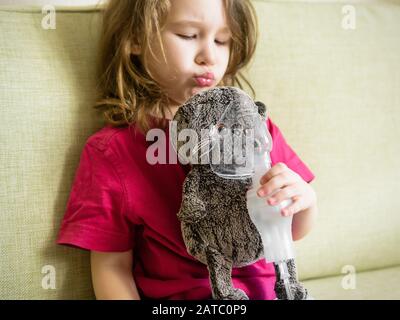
x=334 y=92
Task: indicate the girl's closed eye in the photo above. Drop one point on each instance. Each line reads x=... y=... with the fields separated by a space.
x=222 y=43
x=191 y=37
x=187 y=37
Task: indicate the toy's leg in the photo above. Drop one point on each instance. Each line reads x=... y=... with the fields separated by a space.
x=298 y=290
x=220 y=277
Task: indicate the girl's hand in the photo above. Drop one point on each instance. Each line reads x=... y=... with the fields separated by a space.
x=293 y=187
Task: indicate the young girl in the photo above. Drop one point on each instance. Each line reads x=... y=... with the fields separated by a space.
x=155 y=54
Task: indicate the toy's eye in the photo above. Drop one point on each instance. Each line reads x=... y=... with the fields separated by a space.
x=222 y=130
x=257 y=145
x=247 y=132
x=237 y=129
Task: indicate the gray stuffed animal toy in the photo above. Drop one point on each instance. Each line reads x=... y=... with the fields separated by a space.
x=216 y=226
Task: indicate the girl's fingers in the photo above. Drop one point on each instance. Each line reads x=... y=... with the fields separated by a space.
x=277 y=182
x=283 y=194
x=275 y=170
x=294 y=208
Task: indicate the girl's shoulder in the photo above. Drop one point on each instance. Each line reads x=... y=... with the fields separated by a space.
x=116 y=138
x=272 y=128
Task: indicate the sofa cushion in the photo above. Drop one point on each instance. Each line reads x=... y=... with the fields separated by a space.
x=382 y=284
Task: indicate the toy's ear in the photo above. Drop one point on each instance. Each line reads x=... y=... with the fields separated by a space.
x=178 y=123
x=262 y=109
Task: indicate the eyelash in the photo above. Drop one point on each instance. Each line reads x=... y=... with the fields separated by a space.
x=194 y=37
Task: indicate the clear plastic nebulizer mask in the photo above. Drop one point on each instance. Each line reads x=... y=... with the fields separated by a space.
x=234 y=139
x=241 y=123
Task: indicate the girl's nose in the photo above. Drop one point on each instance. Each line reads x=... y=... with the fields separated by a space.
x=206 y=56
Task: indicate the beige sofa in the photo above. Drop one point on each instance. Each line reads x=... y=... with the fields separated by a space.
x=334 y=92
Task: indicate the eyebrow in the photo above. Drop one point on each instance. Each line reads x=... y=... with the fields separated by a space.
x=195 y=23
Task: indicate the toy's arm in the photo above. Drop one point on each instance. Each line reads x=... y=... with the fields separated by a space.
x=192 y=208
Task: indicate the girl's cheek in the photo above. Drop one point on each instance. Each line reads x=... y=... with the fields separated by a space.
x=177 y=51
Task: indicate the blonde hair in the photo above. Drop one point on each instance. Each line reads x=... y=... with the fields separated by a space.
x=126 y=91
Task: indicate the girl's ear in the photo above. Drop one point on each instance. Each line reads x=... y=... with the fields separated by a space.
x=134 y=47
x=262 y=109
x=136 y=50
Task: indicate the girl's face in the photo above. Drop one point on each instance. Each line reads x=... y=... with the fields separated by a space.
x=196 y=41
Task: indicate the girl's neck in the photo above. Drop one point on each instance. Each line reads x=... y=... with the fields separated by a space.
x=169 y=113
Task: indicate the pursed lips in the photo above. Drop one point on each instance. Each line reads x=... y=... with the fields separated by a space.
x=205 y=80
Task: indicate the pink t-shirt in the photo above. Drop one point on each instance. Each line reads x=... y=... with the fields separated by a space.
x=119 y=202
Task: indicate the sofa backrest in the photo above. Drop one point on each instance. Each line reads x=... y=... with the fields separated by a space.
x=333 y=91
x=47 y=80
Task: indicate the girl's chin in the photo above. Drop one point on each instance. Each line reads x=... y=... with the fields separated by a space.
x=196 y=90
x=188 y=94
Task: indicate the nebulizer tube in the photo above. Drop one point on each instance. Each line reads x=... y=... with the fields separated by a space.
x=284 y=272
x=274 y=228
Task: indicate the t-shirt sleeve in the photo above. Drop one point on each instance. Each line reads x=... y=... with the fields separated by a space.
x=95 y=218
x=282 y=152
